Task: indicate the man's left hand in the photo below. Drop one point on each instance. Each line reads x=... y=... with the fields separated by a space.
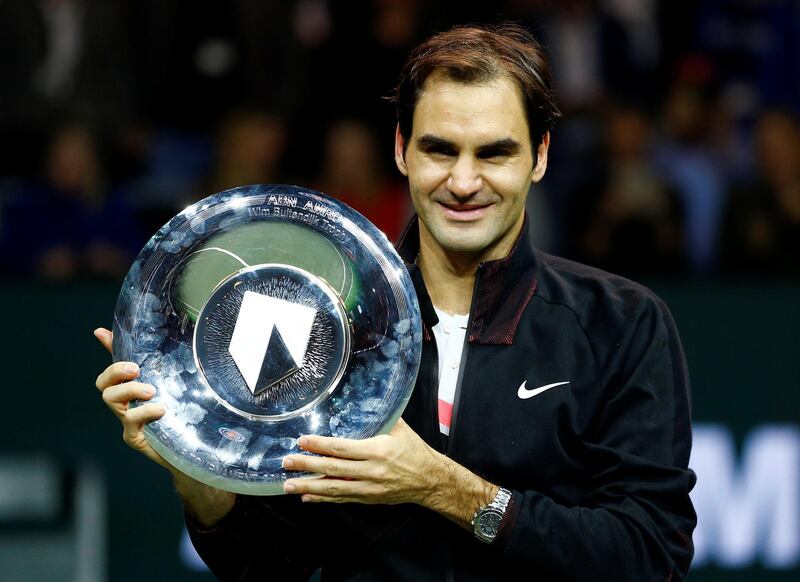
x=398 y=467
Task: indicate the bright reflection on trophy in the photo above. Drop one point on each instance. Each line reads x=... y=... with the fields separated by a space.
x=260 y=314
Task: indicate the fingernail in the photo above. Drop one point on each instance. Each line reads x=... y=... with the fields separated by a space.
x=288 y=463
x=289 y=488
x=302 y=441
x=131 y=368
x=149 y=391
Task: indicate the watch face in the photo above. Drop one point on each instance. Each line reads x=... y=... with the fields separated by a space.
x=261 y=314
x=489 y=523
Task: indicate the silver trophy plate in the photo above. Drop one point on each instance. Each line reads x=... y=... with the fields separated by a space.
x=260 y=314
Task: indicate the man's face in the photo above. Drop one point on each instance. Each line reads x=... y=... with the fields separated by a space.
x=469 y=164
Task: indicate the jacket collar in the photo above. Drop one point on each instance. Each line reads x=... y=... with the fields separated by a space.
x=503 y=288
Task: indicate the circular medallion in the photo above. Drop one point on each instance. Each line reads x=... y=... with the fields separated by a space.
x=261 y=314
x=272 y=341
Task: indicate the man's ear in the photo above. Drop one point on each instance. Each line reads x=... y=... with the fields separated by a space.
x=541 y=159
x=399 y=155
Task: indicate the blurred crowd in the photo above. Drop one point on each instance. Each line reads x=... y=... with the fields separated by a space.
x=678 y=152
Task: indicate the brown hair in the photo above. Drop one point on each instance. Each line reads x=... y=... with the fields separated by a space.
x=474 y=54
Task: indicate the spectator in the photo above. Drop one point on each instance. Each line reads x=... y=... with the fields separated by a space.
x=629 y=220
x=67 y=224
x=686 y=160
x=353 y=173
x=762 y=230
x=249 y=151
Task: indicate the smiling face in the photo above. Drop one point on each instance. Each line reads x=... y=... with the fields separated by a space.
x=469 y=164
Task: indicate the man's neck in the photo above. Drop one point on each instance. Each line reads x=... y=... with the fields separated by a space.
x=449 y=283
x=450 y=276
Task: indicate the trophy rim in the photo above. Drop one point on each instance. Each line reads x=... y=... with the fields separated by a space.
x=178 y=436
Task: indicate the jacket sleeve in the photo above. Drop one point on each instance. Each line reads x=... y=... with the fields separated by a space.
x=259 y=539
x=636 y=519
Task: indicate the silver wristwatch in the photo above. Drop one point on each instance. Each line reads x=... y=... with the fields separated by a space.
x=487 y=519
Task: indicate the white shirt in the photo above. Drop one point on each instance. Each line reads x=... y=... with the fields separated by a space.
x=449 y=333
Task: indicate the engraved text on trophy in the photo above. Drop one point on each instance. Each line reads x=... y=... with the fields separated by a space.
x=270 y=339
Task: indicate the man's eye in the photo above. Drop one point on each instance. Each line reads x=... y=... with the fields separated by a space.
x=492 y=154
x=440 y=151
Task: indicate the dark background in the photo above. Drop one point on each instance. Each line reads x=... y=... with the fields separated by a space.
x=677 y=163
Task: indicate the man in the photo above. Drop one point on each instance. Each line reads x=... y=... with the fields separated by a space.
x=551 y=443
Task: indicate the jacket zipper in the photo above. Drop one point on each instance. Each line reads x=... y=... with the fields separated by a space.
x=457 y=394
x=434 y=402
x=450 y=573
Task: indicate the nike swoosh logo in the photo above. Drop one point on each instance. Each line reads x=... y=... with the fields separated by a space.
x=524 y=393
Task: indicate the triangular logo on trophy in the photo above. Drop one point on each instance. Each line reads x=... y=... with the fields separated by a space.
x=278 y=363
x=270 y=339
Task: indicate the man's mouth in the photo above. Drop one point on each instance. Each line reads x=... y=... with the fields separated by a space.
x=464 y=212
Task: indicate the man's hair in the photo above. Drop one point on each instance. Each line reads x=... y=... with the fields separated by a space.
x=477 y=54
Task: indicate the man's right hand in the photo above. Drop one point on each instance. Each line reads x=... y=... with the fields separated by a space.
x=118 y=385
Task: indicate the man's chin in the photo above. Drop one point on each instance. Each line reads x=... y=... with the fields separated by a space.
x=461 y=238
x=463 y=243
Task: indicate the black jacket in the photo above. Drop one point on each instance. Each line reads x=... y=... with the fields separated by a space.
x=597 y=467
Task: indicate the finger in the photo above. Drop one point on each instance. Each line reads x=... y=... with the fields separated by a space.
x=136 y=418
x=124 y=393
x=105 y=336
x=339 y=447
x=116 y=374
x=328 y=466
x=399 y=427
x=338 y=490
x=133 y=430
x=307 y=498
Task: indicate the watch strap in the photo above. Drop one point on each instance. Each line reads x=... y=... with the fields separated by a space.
x=501 y=500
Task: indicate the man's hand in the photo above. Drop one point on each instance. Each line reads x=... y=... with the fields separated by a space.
x=398 y=467
x=118 y=386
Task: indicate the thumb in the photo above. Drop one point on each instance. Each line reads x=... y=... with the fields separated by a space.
x=105 y=337
x=400 y=426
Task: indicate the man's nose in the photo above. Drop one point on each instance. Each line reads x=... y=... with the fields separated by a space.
x=465 y=179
